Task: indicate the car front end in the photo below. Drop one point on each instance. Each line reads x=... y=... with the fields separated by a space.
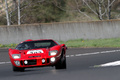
x=34 y=58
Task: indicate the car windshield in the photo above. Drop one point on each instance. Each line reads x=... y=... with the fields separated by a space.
x=36 y=44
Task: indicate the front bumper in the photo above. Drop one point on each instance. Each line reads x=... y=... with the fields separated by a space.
x=34 y=62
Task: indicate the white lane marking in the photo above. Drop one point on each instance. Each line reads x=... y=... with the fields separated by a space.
x=72 y=55
x=67 y=56
x=86 y=54
x=115 y=63
x=5 y=62
x=77 y=55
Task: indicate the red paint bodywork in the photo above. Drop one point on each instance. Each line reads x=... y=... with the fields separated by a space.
x=38 y=57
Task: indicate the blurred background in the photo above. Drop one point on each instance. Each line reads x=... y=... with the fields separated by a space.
x=13 y=12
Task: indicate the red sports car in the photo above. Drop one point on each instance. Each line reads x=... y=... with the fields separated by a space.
x=33 y=53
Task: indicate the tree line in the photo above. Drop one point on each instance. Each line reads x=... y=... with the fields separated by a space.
x=44 y=11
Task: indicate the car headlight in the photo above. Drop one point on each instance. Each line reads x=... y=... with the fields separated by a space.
x=53 y=53
x=16 y=56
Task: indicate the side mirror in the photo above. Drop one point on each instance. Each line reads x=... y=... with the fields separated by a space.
x=9 y=49
x=63 y=45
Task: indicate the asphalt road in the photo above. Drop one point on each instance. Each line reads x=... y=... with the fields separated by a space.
x=80 y=66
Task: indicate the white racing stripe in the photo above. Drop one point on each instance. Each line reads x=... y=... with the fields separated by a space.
x=84 y=54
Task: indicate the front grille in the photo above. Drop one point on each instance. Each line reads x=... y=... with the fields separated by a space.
x=31 y=62
x=21 y=62
x=48 y=60
x=33 y=56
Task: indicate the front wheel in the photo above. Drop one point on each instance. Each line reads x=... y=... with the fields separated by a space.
x=61 y=64
x=18 y=69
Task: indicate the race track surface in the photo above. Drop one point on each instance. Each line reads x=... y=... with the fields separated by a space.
x=82 y=64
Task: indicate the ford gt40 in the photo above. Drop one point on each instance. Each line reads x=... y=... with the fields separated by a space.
x=38 y=53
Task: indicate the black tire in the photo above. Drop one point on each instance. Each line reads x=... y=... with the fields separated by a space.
x=64 y=64
x=61 y=63
x=15 y=69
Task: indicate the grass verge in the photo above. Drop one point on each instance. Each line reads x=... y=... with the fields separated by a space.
x=81 y=43
x=99 y=43
x=8 y=46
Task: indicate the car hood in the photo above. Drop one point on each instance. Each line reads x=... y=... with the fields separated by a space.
x=42 y=52
x=31 y=52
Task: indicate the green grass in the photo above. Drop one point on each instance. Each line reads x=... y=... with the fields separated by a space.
x=81 y=43
x=8 y=46
x=93 y=43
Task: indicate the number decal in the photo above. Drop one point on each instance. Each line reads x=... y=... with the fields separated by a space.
x=35 y=51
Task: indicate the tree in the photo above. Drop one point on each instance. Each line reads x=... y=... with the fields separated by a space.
x=34 y=11
x=7 y=14
x=19 y=13
x=72 y=6
x=15 y=4
x=101 y=8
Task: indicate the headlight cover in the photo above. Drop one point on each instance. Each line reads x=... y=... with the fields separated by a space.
x=53 y=53
x=16 y=56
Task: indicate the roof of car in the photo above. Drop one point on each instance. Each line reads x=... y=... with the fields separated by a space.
x=28 y=40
